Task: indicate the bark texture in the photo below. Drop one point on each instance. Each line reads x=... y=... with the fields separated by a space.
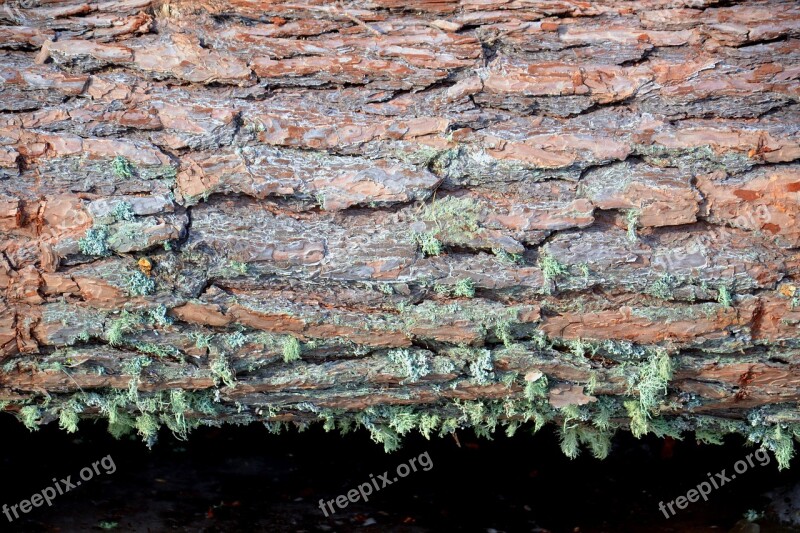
x=436 y=215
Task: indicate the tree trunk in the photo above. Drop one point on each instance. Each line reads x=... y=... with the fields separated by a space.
x=436 y=216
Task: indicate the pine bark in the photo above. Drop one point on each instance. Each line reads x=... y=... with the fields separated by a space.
x=444 y=214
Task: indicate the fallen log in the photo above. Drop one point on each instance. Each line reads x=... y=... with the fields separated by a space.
x=431 y=217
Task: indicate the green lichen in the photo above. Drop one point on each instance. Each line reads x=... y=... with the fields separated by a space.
x=428 y=422
x=552 y=269
x=453 y=216
x=632 y=220
x=95 y=242
x=386 y=289
x=68 y=417
x=695 y=160
x=233 y=269
x=126 y=323
x=123 y=211
x=30 y=416
x=139 y=284
x=536 y=389
x=167 y=172
x=379 y=433
x=147 y=425
x=158 y=350
x=221 y=371
x=134 y=366
x=235 y=340
x=599 y=441
x=580 y=348
x=159 y=315
x=481 y=367
x=662 y=427
x=122 y=167
x=591 y=384
x=724 y=297
x=201 y=340
x=464 y=288
x=506 y=257
x=402 y=419
x=779 y=441
x=452 y=221
x=651 y=378
x=502 y=330
x=291 y=349
x=639 y=418
x=443 y=365
x=662 y=287
x=428 y=243
x=411 y=365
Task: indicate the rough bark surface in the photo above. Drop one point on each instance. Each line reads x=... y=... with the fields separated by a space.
x=437 y=215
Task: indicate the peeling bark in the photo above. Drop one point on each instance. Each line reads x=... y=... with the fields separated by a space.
x=443 y=215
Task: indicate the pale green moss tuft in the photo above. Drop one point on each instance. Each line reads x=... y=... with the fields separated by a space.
x=453 y=216
x=233 y=269
x=506 y=257
x=591 y=384
x=201 y=340
x=502 y=331
x=147 y=425
x=580 y=348
x=551 y=268
x=291 y=349
x=600 y=444
x=724 y=297
x=443 y=365
x=135 y=365
x=30 y=416
x=663 y=287
x=639 y=418
x=380 y=433
x=454 y=221
x=402 y=419
x=68 y=417
x=464 y=288
x=160 y=351
x=568 y=439
x=126 y=323
x=651 y=380
x=782 y=445
x=536 y=389
x=428 y=423
x=222 y=372
x=122 y=167
x=428 y=243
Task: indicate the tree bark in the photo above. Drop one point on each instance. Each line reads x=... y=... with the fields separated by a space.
x=439 y=215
